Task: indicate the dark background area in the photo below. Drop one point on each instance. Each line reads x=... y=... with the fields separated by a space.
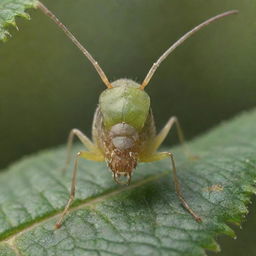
x=47 y=87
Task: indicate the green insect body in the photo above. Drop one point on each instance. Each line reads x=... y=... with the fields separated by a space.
x=123 y=127
x=125 y=102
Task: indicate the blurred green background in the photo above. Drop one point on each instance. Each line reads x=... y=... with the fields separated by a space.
x=47 y=87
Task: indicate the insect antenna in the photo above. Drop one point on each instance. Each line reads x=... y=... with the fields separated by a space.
x=101 y=73
x=179 y=42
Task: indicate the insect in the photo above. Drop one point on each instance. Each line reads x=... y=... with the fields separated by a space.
x=123 y=128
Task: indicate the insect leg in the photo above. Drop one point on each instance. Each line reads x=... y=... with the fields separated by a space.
x=162 y=155
x=158 y=140
x=83 y=138
x=89 y=156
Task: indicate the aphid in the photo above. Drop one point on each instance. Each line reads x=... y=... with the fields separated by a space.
x=123 y=128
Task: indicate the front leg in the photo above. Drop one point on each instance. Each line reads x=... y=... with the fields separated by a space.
x=84 y=139
x=89 y=156
x=163 y=155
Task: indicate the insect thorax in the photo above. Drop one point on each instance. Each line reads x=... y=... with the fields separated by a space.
x=125 y=102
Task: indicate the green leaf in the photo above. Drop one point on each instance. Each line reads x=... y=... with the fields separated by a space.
x=9 y=10
x=145 y=218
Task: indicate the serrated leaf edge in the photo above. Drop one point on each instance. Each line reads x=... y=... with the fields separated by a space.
x=12 y=21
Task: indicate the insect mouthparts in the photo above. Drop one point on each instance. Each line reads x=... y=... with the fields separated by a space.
x=117 y=179
x=117 y=176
